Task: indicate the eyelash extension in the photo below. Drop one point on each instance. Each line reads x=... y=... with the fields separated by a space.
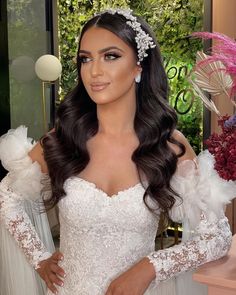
x=115 y=55
x=82 y=58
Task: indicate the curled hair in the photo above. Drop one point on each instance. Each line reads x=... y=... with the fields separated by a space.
x=65 y=149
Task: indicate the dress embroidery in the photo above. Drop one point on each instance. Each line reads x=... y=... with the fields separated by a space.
x=102 y=237
x=211 y=241
x=12 y=214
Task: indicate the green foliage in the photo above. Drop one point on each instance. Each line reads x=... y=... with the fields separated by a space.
x=173 y=21
x=189 y=110
x=190 y=125
x=72 y=15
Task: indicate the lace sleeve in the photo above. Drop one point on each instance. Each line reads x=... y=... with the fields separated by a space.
x=207 y=235
x=210 y=241
x=22 y=184
x=17 y=222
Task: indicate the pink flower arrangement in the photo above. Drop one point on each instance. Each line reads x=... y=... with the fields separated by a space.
x=216 y=74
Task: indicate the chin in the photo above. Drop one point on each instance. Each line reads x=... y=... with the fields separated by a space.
x=102 y=101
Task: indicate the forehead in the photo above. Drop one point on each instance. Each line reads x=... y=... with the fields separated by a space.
x=98 y=38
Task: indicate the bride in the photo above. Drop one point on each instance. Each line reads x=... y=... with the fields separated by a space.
x=116 y=162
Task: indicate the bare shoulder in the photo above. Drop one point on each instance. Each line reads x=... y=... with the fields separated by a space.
x=189 y=152
x=36 y=154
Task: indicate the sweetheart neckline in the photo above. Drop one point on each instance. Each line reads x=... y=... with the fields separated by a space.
x=113 y=196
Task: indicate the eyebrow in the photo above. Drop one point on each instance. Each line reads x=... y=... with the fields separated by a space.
x=102 y=50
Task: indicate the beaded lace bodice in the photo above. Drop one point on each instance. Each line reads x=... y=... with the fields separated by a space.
x=102 y=236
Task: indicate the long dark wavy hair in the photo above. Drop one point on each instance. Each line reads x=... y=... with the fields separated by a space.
x=65 y=150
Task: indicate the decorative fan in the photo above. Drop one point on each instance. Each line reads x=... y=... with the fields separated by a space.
x=210 y=77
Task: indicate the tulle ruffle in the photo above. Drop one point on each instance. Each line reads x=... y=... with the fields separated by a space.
x=24 y=176
x=201 y=190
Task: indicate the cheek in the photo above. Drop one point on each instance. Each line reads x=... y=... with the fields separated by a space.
x=124 y=74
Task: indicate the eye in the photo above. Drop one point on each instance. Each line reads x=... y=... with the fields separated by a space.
x=111 y=56
x=84 y=59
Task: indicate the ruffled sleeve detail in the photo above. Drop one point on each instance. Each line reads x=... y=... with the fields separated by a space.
x=23 y=182
x=14 y=148
x=207 y=234
x=201 y=190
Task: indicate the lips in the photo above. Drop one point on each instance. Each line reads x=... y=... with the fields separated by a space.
x=98 y=86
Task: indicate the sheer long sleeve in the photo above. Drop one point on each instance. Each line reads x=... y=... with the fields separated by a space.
x=207 y=235
x=22 y=183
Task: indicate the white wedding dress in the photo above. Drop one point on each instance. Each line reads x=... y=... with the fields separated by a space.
x=103 y=236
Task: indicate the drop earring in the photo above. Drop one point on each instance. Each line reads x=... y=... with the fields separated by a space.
x=138 y=78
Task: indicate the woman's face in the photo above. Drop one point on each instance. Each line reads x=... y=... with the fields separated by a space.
x=108 y=66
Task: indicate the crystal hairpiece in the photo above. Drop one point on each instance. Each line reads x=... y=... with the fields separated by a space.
x=143 y=40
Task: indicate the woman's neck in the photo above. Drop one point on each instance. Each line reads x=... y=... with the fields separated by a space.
x=116 y=118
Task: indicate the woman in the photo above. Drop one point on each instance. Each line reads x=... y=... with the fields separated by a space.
x=115 y=162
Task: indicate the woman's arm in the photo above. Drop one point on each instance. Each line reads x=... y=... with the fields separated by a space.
x=23 y=183
x=17 y=222
x=211 y=240
x=203 y=195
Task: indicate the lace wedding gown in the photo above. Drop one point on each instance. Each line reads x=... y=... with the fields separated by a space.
x=102 y=236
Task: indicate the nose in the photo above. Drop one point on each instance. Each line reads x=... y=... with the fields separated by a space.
x=96 y=68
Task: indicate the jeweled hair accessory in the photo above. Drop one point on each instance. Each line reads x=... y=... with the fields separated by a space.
x=143 y=40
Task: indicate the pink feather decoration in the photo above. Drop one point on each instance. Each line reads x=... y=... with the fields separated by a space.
x=224 y=50
x=222 y=58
